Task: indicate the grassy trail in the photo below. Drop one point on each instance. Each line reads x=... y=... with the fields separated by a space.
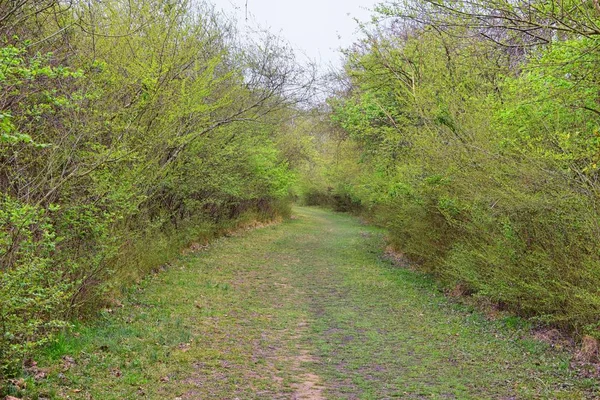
x=303 y=310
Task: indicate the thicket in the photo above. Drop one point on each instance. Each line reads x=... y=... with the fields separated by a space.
x=326 y=162
x=128 y=129
x=475 y=129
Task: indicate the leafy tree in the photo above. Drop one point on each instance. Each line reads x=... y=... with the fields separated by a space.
x=477 y=127
x=128 y=129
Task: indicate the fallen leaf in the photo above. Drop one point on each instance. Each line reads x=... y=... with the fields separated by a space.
x=184 y=347
x=39 y=375
x=68 y=362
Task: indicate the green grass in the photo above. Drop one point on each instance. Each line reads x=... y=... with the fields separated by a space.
x=256 y=316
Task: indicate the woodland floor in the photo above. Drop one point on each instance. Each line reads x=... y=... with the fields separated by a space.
x=307 y=309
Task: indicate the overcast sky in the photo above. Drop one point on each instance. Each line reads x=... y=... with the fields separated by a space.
x=317 y=28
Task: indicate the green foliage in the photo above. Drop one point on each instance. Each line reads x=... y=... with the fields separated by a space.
x=481 y=160
x=31 y=290
x=128 y=131
x=19 y=71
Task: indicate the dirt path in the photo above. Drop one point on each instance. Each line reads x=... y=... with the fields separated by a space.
x=304 y=310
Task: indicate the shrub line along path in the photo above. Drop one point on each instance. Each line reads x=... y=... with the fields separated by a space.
x=307 y=309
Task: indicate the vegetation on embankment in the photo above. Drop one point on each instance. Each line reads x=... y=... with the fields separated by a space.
x=305 y=309
x=471 y=131
x=127 y=130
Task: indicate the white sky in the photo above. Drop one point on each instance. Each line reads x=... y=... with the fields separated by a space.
x=316 y=28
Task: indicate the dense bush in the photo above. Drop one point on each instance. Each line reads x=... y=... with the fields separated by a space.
x=128 y=130
x=478 y=148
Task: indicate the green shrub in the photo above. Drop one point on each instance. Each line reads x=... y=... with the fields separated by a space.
x=482 y=164
x=118 y=151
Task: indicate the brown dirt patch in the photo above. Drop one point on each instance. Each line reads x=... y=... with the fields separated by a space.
x=309 y=389
x=310 y=386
